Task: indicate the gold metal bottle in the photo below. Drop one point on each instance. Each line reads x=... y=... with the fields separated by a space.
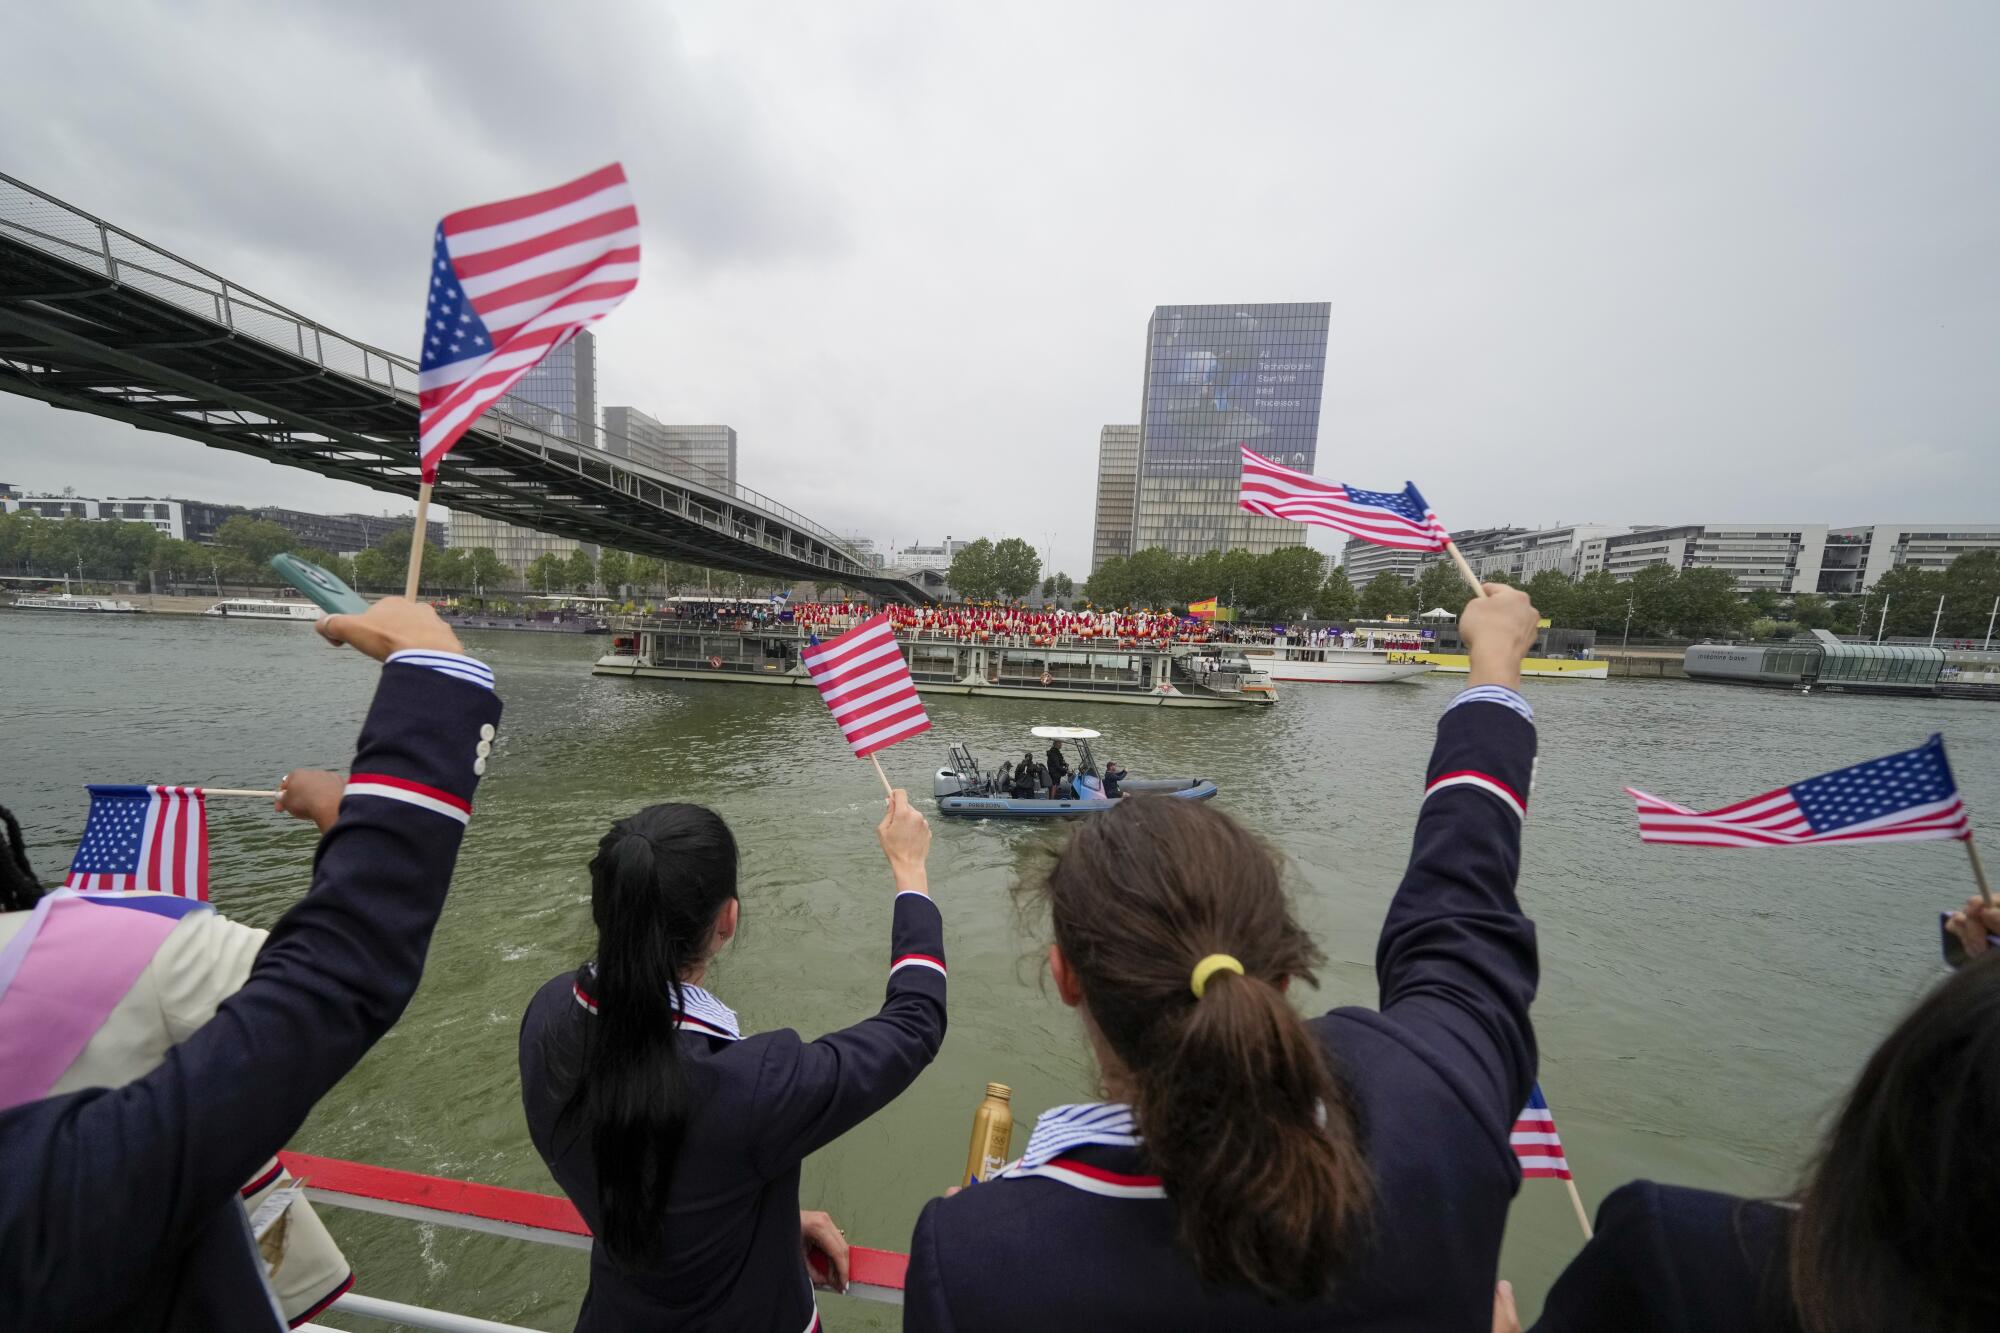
x=992 y=1134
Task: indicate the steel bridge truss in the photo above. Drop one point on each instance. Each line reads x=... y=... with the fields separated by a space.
x=94 y=319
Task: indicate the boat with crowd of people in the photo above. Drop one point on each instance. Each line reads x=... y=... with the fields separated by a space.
x=63 y=601
x=1155 y=673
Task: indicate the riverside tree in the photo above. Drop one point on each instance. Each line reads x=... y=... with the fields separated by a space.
x=1016 y=567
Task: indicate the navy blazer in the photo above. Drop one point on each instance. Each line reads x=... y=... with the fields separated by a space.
x=1437 y=1075
x=1672 y=1260
x=118 y=1206
x=727 y=1254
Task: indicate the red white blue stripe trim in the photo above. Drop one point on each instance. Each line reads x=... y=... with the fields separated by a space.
x=1093 y=1179
x=700 y=1012
x=410 y=793
x=1485 y=782
x=917 y=960
x=469 y=669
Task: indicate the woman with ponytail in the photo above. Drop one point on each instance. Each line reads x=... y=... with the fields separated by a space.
x=680 y=1138
x=1250 y=1168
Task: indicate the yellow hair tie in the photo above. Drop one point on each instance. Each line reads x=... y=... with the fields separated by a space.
x=1208 y=967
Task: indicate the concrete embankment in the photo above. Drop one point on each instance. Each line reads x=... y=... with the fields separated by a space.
x=1645 y=663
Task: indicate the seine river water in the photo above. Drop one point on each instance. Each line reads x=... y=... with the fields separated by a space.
x=1700 y=1010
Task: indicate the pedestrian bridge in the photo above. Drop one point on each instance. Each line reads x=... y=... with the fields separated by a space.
x=94 y=319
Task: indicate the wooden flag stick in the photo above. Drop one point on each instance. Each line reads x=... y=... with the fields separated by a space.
x=1582 y=1217
x=236 y=791
x=1458 y=558
x=884 y=776
x=1978 y=870
x=417 y=542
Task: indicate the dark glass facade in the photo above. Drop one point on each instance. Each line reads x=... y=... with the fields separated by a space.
x=559 y=393
x=1220 y=376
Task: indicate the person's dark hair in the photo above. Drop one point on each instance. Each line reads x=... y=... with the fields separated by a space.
x=19 y=889
x=1254 y=1135
x=1895 y=1213
x=657 y=884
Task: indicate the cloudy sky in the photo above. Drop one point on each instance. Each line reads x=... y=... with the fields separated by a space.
x=1622 y=263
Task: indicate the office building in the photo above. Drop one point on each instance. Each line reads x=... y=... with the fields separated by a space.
x=910 y=559
x=1117 y=491
x=559 y=394
x=1216 y=377
x=202 y=519
x=163 y=516
x=864 y=547
x=1364 y=560
x=516 y=547
x=345 y=534
x=1856 y=557
x=1774 y=557
x=699 y=453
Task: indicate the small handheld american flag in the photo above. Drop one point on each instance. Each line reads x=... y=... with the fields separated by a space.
x=1536 y=1142
x=152 y=839
x=510 y=283
x=1905 y=797
x=865 y=681
x=1388 y=518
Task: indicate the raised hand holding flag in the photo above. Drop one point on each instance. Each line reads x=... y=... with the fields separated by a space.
x=510 y=283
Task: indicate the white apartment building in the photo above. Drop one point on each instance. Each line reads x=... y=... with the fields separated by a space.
x=1521 y=553
x=1856 y=557
x=1364 y=560
x=1779 y=557
x=163 y=516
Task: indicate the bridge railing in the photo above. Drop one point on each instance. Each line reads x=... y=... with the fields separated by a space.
x=69 y=233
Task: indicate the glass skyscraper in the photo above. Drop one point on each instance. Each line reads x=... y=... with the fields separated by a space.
x=1220 y=376
x=559 y=394
x=1117 y=487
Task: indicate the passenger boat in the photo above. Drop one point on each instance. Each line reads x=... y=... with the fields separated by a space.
x=63 y=601
x=1335 y=664
x=745 y=652
x=253 y=608
x=964 y=789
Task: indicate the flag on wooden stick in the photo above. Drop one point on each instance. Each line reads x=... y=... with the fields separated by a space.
x=865 y=681
x=150 y=839
x=1388 y=518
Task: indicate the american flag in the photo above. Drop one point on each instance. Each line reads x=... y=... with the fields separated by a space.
x=1536 y=1142
x=152 y=839
x=865 y=681
x=1387 y=518
x=510 y=283
x=1905 y=797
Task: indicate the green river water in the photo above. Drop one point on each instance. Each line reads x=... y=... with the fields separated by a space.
x=1700 y=1010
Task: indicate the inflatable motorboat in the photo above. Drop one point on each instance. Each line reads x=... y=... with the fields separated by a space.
x=965 y=789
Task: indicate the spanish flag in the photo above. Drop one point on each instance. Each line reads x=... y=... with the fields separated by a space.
x=1203 y=610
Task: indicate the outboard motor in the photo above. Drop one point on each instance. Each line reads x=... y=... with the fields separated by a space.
x=948 y=783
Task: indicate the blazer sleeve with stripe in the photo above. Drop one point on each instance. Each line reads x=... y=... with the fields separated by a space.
x=1457 y=961
x=151 y=1163
x=810 y=1093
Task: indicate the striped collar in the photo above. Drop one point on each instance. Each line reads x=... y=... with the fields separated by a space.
x=1061 y=1128
x=700 y=1011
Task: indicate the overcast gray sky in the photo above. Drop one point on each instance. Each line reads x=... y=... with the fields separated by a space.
x=1621 y=263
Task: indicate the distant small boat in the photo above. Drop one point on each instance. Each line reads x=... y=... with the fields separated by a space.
x=252 y=608
x=1337 y=664
x=63 y=601
x=963 y=789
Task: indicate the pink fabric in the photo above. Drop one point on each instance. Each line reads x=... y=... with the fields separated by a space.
x=79 y=967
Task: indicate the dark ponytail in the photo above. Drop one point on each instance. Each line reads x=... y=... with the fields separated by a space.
x=1252 y=1132
x=19 y=889
x=657 y=884
x=1896 y=1213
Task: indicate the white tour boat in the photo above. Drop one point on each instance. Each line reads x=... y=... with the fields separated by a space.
x=252 y=608
x=1335 y=664
x=63 y=601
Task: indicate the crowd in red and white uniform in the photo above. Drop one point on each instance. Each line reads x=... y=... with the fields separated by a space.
x=973 y=624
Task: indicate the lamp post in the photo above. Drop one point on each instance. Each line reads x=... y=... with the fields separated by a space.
x=1627 y=641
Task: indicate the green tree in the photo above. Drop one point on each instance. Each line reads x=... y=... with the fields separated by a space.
x=1598 y=602
x=1065 y=586
x=646 y=571
x=178 y=560
x=486 y=570
x=1336 y=599
x=1110 y=585
x=449 y=569
x=1655 y=601
x=1554 y=595
x=546 y=573
x=972 y=574
x=1971 y=587
x=249 y=543
x=579 y=571
x=1706 y=603
x=614 y=569
x=1385 y=595
x=1811 y=611
x=1440 y=585
x=1240 y=579
x=1015 y=567
x=1912 y=594
x=1202 y=577
x=1154 y=576
x=1291 y=578
x=1049 y=588
x=375 y=568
